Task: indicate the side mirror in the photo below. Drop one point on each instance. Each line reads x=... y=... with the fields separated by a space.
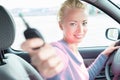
x=113 y=34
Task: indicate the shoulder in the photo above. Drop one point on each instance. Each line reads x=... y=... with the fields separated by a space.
x=61 y=52
x=59 y=43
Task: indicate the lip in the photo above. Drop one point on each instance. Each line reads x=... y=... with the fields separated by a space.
x=79 y=36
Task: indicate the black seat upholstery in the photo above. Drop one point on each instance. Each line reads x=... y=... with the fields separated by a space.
x=12 y=67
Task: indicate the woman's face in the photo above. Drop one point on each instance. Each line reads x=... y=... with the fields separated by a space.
x=74 y=25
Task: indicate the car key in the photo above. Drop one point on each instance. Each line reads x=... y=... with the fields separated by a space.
x=32 y=32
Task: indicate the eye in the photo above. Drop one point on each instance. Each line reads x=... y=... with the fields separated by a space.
x=84 y=23
x=73 y=24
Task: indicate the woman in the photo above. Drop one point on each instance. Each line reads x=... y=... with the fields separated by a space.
x=61 y=60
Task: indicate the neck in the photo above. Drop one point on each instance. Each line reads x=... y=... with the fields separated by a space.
x=73 y=47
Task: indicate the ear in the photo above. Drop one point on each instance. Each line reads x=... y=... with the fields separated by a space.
x=60 y=25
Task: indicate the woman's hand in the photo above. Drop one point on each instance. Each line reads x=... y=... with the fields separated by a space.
x=45 y=59
x=110 y=49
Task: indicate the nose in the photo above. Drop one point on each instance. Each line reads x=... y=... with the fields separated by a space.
x=80 y=28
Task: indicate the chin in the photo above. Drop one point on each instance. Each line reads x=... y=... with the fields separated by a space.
x=80 y=40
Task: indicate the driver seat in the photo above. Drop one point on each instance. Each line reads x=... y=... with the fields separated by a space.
x=12 y=67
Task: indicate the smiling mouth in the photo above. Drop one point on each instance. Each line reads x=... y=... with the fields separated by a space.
x=79 y=36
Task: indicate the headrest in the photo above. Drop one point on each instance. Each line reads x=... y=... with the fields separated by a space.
x=7 y=30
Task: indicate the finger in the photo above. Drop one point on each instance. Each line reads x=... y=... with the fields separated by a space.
x=46 y=52
x=35 y=42
x=51 y=62
x=36 y=48
x=43 y=54
x=117 y=47
x=36 y=60
x=117 y=43
x=31 y=43
x=52 y=71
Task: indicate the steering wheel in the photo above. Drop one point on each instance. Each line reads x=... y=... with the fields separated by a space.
x=113 y=65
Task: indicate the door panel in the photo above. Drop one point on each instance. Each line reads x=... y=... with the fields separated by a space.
x=89 y=54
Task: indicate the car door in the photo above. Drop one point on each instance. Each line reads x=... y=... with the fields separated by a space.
x=89 y=55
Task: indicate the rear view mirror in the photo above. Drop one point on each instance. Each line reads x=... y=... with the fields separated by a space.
x=113 y=34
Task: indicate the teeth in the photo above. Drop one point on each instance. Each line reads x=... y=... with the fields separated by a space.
x=79 y=36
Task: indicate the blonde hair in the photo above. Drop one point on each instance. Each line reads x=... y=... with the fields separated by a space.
x=70 y=4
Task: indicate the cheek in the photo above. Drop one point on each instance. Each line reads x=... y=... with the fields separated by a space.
x=69 y=31
x=85 y=30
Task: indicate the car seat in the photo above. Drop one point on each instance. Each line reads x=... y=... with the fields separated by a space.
x=12 y=67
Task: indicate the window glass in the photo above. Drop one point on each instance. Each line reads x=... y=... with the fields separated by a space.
x=98 y=22
x=116 y=2
x=42 y=15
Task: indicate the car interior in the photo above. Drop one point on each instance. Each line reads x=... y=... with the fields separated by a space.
x=14 y=62
x=12 y=67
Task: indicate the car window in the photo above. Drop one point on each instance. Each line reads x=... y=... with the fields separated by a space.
x=42 y=15
x=116 y=2
x=98 y=22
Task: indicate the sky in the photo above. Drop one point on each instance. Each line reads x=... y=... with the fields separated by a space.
x=30 y=3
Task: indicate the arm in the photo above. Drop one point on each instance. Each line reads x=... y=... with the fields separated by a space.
x=95 y=68
x=99 y=63
x=45 y=59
